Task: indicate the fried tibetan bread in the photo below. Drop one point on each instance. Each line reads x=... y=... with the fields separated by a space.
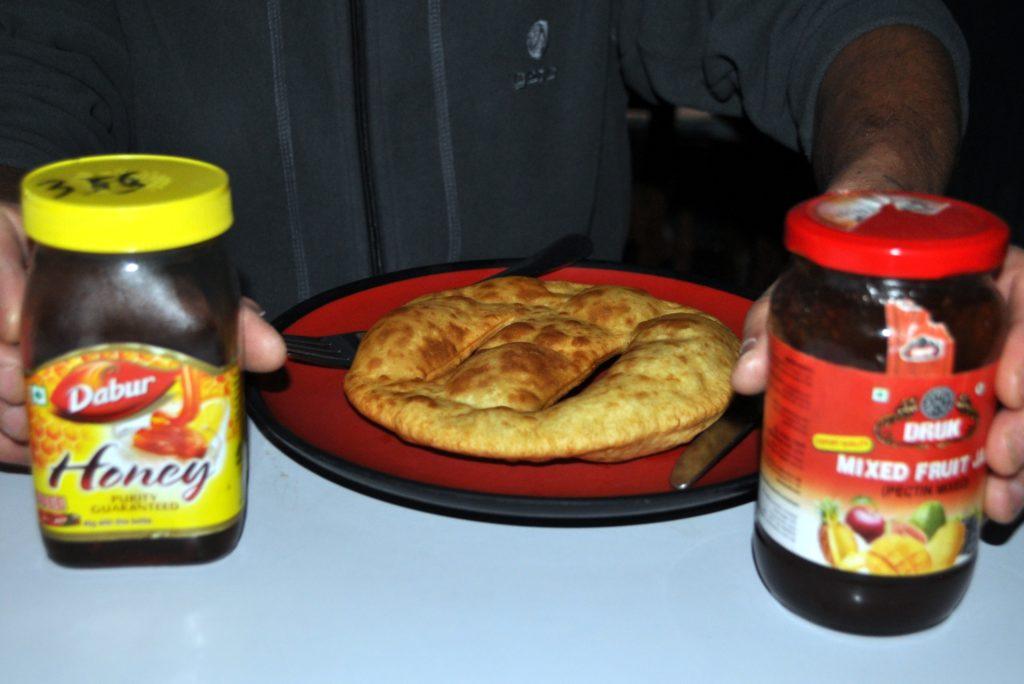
x=480 y=370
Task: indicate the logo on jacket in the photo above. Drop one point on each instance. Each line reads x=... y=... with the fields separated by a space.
x=536 y=45
x=537 y=39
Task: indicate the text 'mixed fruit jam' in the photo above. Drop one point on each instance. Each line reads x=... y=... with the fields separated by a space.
x=130 y=352
x=883 y=339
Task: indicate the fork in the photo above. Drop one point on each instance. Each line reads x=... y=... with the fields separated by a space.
x=338 y=351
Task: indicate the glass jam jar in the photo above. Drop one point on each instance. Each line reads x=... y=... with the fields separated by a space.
x=129 y=344
x=883 y=340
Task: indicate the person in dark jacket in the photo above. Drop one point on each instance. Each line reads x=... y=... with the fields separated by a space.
x=366 y=137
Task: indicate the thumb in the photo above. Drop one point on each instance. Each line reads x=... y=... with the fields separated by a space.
x=13 y=252
x=263 y=349
x=751 y=371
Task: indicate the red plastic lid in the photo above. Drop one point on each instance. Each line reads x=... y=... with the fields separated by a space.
x=897 y=235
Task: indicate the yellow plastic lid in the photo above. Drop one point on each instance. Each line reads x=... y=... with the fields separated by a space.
x=125 y=203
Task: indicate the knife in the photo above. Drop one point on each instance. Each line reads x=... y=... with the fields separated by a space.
x=710 y=446
x=564 y=251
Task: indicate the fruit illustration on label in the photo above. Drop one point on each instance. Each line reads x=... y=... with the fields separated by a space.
x=905 y=529
x=898 y=554
x=929 y=517
x=836 y=539
x=928 y=542
x=946 y=544
x=866 y=521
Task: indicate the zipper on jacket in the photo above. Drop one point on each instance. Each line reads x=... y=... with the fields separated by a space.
x=360 y=79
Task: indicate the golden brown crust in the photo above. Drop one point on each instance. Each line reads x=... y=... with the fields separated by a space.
x=478 y=371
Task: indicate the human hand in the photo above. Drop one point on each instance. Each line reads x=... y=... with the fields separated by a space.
x=13 y=261
x=1004 y=493
x=262 y=347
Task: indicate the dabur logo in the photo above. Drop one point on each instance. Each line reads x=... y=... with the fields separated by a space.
x=937 y=419
x=107 y=391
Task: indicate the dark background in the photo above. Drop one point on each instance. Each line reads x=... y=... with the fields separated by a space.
x=710 y=194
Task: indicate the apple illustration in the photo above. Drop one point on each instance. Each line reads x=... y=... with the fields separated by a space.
x=866 y=522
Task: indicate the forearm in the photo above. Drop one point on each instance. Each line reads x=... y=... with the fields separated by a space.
x=888 y=114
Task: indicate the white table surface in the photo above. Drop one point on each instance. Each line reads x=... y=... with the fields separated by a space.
x=329 y=585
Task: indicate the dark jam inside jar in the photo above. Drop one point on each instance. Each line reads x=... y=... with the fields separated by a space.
x=839 y=318
x=184 y=300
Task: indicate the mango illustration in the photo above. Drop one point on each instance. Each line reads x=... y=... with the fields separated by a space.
x=946 y=544
x=898 y=554
x=853 y=562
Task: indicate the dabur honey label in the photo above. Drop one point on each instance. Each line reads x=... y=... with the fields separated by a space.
x=132 y=442
x=871 y=472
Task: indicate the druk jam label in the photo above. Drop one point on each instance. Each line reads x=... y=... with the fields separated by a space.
x=877 y=473
x=134 y=442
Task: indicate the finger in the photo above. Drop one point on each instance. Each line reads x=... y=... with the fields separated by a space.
x=1004 y=497
x=14 y=423
x=1013 y=267
x=263 y=348
x=12 y=451
x=751 y=370
x=1010 y=373
x=12 y=382
x=1004 y=447
x=12 y=273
